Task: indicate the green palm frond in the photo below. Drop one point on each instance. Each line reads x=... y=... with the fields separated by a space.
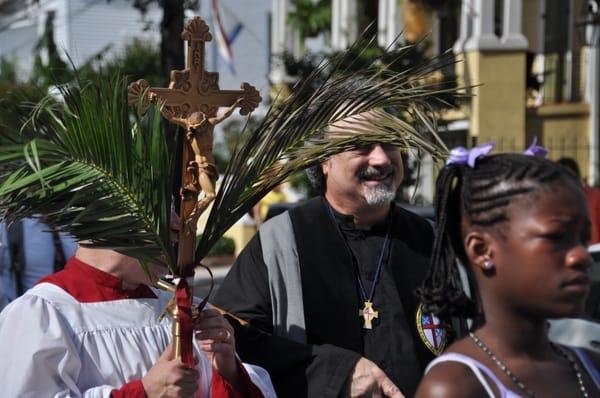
x=93 y=170
x=290 y=137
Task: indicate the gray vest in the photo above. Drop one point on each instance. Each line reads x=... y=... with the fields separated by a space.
x=285 y=284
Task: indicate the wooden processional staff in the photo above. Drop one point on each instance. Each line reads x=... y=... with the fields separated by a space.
x=192 y=101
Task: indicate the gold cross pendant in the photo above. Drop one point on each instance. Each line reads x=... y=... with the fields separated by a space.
x=368 y=313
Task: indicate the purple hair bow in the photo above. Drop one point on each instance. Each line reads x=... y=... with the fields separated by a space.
x=536 y=150
x=462 y=155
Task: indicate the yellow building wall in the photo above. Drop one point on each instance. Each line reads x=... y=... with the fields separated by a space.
x=563 y=130
x=240 y=232
x=497 y=110
x=530 y=24
x=241 y=235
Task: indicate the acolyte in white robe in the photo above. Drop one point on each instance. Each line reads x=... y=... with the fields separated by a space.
x=52 y=345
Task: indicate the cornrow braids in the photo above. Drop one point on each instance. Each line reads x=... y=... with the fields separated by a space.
x=481 y=195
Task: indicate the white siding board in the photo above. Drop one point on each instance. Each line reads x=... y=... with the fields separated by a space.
x=116 y=24
x=18 y=45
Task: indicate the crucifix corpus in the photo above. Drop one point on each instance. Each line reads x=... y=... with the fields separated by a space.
x=192 y=101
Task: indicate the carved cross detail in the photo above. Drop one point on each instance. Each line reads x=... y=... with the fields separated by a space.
x=194 y=89
x=192 y=101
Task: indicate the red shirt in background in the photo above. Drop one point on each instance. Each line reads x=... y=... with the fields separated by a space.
x=593 y=199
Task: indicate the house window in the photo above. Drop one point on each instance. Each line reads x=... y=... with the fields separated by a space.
x=561 y=76
x=498 y=17
x=448 y=17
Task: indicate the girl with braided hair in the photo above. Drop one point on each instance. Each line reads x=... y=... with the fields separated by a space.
x=520 y=226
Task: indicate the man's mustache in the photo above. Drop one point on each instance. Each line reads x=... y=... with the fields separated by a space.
x=376 y=172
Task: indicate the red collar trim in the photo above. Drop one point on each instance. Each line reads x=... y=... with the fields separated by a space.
x=88 y=284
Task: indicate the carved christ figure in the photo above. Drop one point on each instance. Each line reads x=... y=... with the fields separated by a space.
x=199 y=133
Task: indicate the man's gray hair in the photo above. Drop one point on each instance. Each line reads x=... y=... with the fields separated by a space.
x=317 y=178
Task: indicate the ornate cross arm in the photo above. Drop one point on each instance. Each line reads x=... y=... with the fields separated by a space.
x=177 y=102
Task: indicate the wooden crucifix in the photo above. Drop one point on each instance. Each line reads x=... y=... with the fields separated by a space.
x=192 y=101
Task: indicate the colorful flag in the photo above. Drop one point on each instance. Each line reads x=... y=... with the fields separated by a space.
x=225 y=41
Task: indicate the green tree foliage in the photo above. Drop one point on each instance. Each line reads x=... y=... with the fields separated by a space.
x=171 y=25
x=8 y=71
x=139 y=60
x=399 y=58
x=224 y=246
x=310 y=18
x=16 y=102
x=53 y=70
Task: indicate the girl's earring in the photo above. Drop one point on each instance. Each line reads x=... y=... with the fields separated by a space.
x=488 y=264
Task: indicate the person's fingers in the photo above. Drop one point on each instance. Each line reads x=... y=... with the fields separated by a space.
x=172 y=392
x=179 y=392
x=390 y=390
x=184 y=379
x=190 y=374
x=217 y=348
x=210 y=320
x=220 y=334
x=174 y=373
x=189 y=392
x=167 y=354
x=208 y=323
x=188 y=385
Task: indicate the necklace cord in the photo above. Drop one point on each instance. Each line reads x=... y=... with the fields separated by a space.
x=517 y=381
x=385 y=245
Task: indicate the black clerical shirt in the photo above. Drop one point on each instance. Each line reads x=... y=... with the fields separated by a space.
x=335 y=339
x=390 y=333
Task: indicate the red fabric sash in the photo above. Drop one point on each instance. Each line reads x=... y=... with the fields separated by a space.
x=186 y=322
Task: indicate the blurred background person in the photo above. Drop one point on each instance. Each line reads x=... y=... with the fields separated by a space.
x=275 y=197
x=267 y=207
x=29 y=250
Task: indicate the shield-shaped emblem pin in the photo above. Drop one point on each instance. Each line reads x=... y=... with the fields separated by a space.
x=430 y=331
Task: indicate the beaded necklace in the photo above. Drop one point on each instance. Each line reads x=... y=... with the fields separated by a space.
x=516 y=380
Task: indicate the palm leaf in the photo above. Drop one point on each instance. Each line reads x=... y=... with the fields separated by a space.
x=93 y=170
x=290 y=137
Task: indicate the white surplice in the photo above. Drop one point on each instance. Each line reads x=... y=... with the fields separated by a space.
x=52 y=345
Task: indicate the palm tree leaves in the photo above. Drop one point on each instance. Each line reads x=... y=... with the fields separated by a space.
x=293 y=136
x=94 y=170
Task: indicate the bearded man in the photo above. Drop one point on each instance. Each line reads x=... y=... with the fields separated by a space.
x=328 y=286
